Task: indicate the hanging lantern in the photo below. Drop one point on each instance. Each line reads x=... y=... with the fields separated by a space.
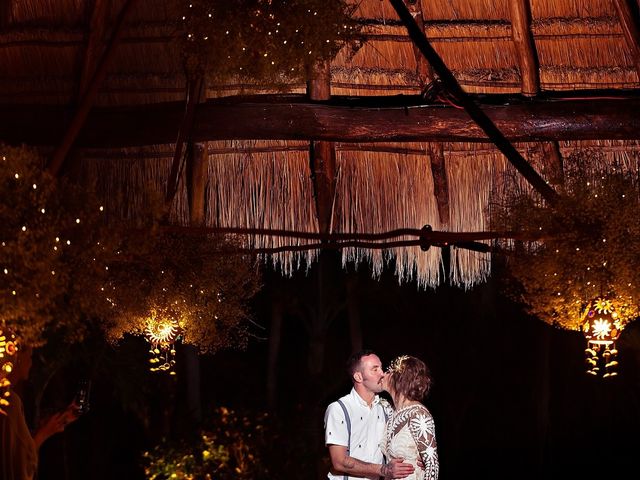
x=8 y=349
x=162 y=331
x=601 y=326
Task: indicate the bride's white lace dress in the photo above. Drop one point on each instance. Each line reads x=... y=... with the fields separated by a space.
x=410 y=433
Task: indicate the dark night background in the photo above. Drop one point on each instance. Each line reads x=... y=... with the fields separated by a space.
x=511 y=398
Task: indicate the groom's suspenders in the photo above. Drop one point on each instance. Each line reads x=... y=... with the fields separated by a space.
x=348 y=420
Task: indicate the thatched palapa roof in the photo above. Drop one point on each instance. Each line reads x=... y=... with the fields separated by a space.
x=555 y=76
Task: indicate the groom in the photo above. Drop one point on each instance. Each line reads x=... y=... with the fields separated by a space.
x=354 y=425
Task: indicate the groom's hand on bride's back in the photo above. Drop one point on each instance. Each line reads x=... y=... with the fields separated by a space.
x=397 y=468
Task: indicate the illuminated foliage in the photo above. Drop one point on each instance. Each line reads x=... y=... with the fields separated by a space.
x=268 y=40
x=586 y=246
x=191 y=280
x=52 y=245
x=234 y=447
x=66 y=261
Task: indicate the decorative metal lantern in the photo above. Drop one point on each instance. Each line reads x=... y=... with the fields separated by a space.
x=162 y=331
x=8 y=349
x=601 y=326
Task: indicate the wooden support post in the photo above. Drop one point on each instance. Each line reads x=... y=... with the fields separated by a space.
x=551 y=151
x=197 y=163
x=440 y=183
x=92 y=91
x=525 y=47
x=95 y=45
x=196 y=184
x=322 y=154
x=483 y=121
x=628 y=15
x=275 y=337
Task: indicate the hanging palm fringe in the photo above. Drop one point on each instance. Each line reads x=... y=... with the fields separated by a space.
x=267 y=184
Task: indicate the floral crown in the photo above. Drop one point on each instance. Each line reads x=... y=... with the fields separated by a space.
x=397 y=365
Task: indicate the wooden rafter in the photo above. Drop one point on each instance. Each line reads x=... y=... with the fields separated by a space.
x=83 y=109
x=95 y=44
x=525 y=47
x=435 y=149
x=423 y=69
x=628 y=15
x=322 y=154
x=475 y=112
x=295 y=118
x=185 y=130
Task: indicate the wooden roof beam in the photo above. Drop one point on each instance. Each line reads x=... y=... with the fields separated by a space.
x=628 y=15
x=525 y=47
x=86 y=103
x=294 y=118
x=322 y=154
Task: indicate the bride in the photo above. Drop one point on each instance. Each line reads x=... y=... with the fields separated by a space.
x=410 y=430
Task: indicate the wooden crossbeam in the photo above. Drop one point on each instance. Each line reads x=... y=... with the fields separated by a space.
x=353 y=120
x=525 y=48
x=384 y=240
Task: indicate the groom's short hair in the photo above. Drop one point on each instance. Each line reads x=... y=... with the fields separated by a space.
x=353 y=362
